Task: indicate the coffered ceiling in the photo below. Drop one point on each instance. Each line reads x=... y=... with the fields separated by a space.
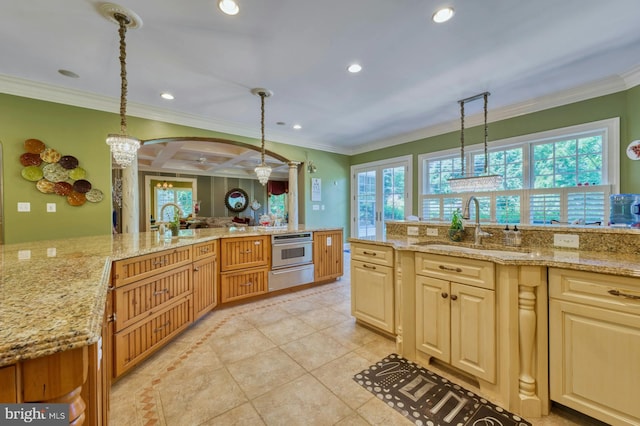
x=528 y=54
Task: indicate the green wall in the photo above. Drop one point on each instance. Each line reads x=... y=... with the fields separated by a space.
x=625 y=105
x=81 y=132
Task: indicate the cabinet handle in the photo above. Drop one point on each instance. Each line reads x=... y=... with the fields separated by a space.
x=444 y=295
x=196 y=269
x=454 y=297
x=368 y=267
x=204 y=250
x=245 y=252
x=369 y=253
x=158 y=262
x=625 y=295
x=163 y=291
x=155 y=330
x=246 y=284
x=447 y=268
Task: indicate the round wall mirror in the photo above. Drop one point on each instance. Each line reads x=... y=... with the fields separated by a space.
x=236 y=200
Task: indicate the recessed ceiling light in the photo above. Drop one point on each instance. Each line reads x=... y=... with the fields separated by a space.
x=354 y=68
x=297 y=126
x=167 y=96
x=68 y=73
x=230 y=7
x=442 y=15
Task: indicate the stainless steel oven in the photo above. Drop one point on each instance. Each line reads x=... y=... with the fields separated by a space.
x=291 y=260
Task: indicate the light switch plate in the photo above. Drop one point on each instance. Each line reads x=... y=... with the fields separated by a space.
x=24 y=207
x=316 y=207
x=412 y=230
x=566 y=240
x=51 y=207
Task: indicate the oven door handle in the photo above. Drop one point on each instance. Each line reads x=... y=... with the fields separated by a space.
x=299 y=243
x=291 y=269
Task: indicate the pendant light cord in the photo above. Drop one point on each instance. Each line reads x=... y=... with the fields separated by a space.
x=123 y=20
x=262 y=95
x=462 y=137
x=486 y=135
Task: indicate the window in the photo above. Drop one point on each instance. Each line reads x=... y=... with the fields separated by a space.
x=564 y=175
x=183 y=197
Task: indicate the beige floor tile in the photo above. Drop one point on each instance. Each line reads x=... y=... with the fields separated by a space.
x=314 y=350
x=322 y=318
x=343 y=307
x=352 y=420
x=377 y=349
x=338 y=377
x=230 y=325
x=239 y=416
x=240 y=345
x=350 y=334
x=286 y=330
x=305 y=401
x=193 y=395
x=265 y=371
x=266 y=316
x=297 y=307
x=377 y=413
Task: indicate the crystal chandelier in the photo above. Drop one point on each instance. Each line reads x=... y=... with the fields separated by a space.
x=164 y=185
x=263 y=171
x=484 y=182
x=123 y=147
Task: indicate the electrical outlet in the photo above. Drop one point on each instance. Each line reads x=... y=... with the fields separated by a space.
x=566 y=240
x=432 y=232
x=24 y=207
x=51 y=252
x=51 y=207
x=412 y=230
x=316 y=207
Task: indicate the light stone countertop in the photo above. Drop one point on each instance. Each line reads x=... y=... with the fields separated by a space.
x=53 y=292
x=623 y=264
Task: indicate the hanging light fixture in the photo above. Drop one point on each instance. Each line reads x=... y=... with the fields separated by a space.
x=123 y=147
x=164 y=185
x=484 y=182
x=263 y=171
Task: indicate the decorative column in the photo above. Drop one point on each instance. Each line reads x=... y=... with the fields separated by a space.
x=293 y=195
x=130 y=200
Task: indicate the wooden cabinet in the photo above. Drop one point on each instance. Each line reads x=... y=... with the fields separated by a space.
x=456 y=322
x=372 y=285
x=245 y=252
x=327 y=255
x=244 y=266
x=205 y=278
x=594 y=342
x=9 y=388
x=152 y=303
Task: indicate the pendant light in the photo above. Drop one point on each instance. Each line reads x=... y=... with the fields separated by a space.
x=263 y=171
x=123 y=147
x=484 y=182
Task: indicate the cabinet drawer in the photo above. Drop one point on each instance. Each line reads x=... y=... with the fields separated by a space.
x=380 y=255
x=129 y=270
x=244 y=252
x=206 y=249
x=607 y=291
x=136 y=343
x=143 y=298
x=239 y=285
x=474 y=272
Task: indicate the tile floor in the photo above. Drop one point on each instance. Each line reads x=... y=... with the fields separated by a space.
x=287 y=360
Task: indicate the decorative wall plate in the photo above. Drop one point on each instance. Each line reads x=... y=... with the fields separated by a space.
x=633 y=150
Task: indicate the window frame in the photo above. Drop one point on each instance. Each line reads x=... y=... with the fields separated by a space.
x=610 y=129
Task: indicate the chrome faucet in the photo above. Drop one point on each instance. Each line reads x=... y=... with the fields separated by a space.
x=479 y=234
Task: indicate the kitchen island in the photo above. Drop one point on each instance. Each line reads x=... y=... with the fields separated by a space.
x=55 y=299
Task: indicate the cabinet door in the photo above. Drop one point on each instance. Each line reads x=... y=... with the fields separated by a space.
x=372 y=298
x=9 y=388
x=205 y=283
x=593 y=360
x=433 y=317
x=327 y=255
x=244 y=252
x=473 y=331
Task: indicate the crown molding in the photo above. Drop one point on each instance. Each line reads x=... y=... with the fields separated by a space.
x=583 y=92
x=46 y=92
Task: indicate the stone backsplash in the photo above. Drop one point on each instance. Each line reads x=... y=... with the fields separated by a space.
x=591 y=238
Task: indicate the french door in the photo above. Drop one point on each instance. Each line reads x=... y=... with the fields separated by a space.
x=381 y=191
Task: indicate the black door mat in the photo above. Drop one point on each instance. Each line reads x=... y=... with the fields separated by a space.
x=428 y=399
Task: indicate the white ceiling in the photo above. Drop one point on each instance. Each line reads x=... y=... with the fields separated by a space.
x=414 y=72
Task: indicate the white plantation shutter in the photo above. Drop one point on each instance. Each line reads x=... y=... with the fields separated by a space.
x=544 y=207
